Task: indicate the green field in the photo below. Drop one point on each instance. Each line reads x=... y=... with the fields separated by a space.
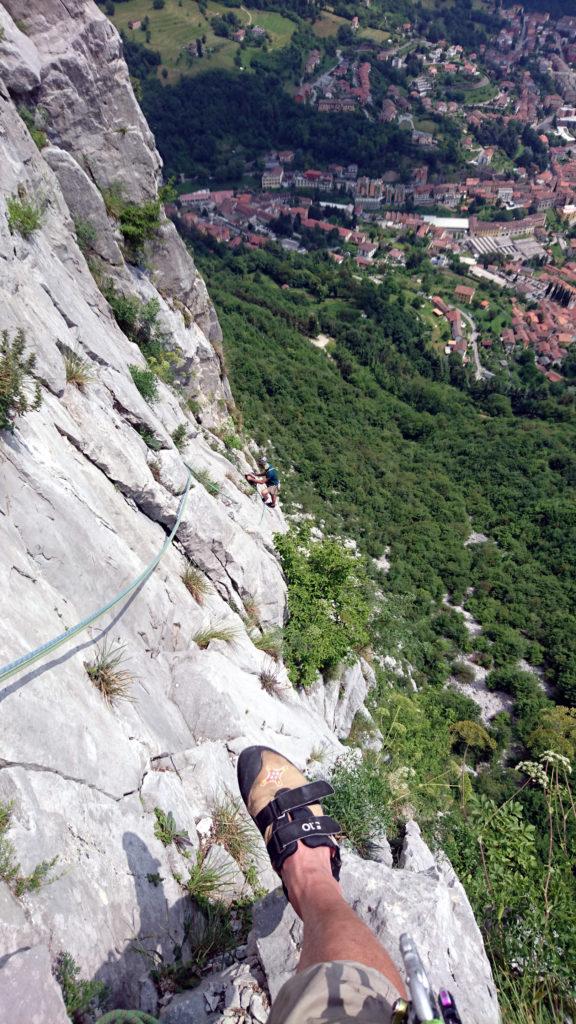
x=377 y=34
x=327 y=25
x=181 y=23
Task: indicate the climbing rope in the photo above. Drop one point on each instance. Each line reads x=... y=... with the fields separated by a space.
x=52 y=645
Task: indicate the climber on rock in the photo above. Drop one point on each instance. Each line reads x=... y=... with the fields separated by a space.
x=268 y=477
x=344 y=972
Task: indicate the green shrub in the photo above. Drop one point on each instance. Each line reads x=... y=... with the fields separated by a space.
x=361 y=799
x=146 y=382
x=149 y=439
x=139 y=321
x=463 y=672
x=556 y=731
x=495 y=850
x=203 y=477
x=139 y=222
x=37 y=134
x=328 y=602
x=468 y=735
x=113 y=196
x=509 y=679
x=10 y=870
x=85 y=235
x=15 y=371
x=180 y=435
x=193 y=405
x=23 y=216
x=80 y=996
x=166 y=829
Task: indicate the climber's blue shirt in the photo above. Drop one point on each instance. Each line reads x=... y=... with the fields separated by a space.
x=272 y=478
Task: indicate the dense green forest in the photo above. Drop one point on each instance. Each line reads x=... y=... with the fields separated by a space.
x=238 y=117
x=394 y=445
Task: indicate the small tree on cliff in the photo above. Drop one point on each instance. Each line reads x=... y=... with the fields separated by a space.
x=17 y=392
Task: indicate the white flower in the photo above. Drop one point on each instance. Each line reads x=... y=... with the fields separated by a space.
x=552 y=758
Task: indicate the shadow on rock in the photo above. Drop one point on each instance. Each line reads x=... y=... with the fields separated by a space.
x=159 y=935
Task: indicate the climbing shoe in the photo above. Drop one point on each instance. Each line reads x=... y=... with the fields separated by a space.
x=284 y=806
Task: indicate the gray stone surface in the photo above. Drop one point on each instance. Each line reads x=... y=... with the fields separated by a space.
x=415 y=854
x=237 y=993
x=19 y=58
x=84 y=202
x=342 y=697
x=28 y=990
x=433 y=909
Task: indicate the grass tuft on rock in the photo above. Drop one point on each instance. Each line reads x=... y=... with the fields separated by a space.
x=196 y=583
x=234 y=831
x=106 y=672
x=269 y=679
x=217 y=631
x=78 y=370
x=206 y=881
x=271 y=642
x=203 y=477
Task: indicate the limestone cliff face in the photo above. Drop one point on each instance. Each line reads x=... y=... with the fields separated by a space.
x=84 y=506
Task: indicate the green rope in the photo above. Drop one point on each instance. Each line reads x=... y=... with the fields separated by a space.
x=52 y=645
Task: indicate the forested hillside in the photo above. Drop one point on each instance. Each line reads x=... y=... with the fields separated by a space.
x=384 y=442
x=239 y=117
x=393 y=447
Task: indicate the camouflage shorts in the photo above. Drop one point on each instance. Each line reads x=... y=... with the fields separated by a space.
x=335 y=992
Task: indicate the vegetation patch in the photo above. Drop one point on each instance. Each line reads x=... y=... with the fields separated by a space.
x=19 y=390
x=107 y=674
x=78 y=370
x=10 y=870
x=167 y=831
x=233 y=830
x=271 y=641
x=38 y=134
x=195 y=583
x=328 y=601
x=207 y=880
x=203 y=477
x=24 y=216
x=80 y=995
x=226 y=632
x=85 y=235
x=146 y=383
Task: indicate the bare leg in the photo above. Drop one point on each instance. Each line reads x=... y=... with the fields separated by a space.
x=332 y=931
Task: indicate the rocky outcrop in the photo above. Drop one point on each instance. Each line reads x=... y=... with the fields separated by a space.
x=90 y=484
x=430 y=905
x=424 y=899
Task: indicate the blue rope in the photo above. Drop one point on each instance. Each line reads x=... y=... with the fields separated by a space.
x=52 y=645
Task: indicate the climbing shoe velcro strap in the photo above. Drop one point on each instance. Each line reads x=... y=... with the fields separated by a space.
x=305 y=828
x=290 y=799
